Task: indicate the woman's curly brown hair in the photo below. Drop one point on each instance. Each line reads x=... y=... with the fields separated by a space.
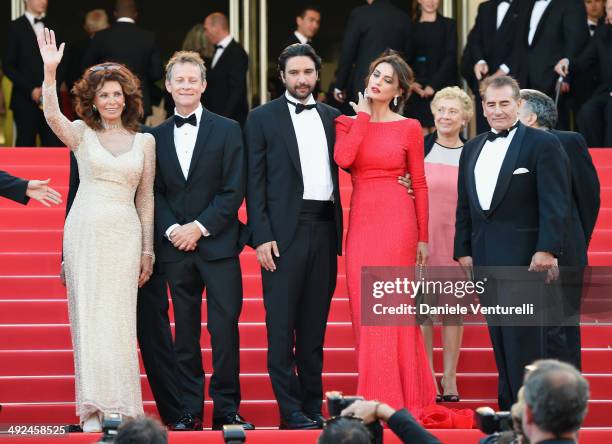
x=93 y=79
x=403 y=72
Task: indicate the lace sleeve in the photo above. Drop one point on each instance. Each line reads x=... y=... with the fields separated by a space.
x=144 y=195
x=68 y=132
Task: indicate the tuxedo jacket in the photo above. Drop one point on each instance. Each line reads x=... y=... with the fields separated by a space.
x=13 y=188
x=598 y=51
x=23 y=64
x=275 y=186
x=132 y=46
x=211 y=194
x=562 y=32
x=370 y=30
x=585 y=200
x=529 y=211
x=486 y=42
x=226 y=93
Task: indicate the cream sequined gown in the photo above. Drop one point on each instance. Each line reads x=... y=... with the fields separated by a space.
x=109 y=226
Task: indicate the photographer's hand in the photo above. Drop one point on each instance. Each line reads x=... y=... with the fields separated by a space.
x=369 y=411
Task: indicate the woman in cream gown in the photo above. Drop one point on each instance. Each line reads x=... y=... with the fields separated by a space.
x=108 y=235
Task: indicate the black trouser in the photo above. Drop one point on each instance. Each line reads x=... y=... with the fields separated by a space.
x=30 y=121
x=595 y=120
x=297 y=297
x=223 y=282
x=157 y=349
x=514 y=346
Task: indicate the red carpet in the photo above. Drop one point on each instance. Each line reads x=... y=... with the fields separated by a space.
x=36 y=372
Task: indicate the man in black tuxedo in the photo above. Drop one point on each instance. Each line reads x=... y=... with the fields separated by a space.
x=489 y=48
x=371 y=29
x=124 y=42
x=595 y=117
x=199 y=187
x=22 y=190
x=226 y=93
x=295 y=217
x=538 y=111
x=23 y=66
x=556 y=401
x=512 y=209
x=548 y=30
x=307 y=22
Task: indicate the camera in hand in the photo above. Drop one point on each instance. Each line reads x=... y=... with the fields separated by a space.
x=111 y=423
x=489 y=421
x=233 y=434
x=336 y=402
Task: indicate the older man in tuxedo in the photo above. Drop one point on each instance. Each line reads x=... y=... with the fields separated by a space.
x=23 y=66
x=539 y=111
x=512 y=209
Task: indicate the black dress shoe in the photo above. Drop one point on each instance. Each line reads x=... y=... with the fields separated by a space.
x=316 y=417
x=232 y=419
x=297 y=421
x=187 y=423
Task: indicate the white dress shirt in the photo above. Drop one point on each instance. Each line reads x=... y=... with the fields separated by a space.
x=539 y=8
x=592 y=25
x=39 y=27
x=502 y=9
x=488 y=166
x=301 y=37
x=313 y=149
x=219 y=51
x=184 y=141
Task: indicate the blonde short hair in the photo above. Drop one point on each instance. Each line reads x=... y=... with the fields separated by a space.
x=454 y=92
x=180 y=57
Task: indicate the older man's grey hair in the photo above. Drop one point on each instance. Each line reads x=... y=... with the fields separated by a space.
x=542 y=106
x=558 y=395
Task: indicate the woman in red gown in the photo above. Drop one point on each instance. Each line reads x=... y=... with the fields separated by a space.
x=387 y=227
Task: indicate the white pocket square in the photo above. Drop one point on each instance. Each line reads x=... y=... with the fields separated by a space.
x=520 y=171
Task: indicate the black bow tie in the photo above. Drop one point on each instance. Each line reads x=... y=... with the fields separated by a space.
x=592 y=27
x=38 y=20
x=218 y=47
x=502 y=134
x=299 y=107
x=180 y=121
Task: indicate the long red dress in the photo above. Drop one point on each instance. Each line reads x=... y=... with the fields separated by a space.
x=385 y=224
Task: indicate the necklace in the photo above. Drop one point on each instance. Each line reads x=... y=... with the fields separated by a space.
x=108 y=126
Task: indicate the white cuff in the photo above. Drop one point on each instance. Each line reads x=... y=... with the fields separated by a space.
x=481 y=61
x=504 y=68
x=170 y=230
x=204 y=231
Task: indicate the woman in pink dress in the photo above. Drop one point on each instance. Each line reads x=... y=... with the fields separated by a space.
x=386 y=228
x=452 y=109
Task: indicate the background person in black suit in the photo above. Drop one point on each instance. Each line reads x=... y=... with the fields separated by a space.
x=512 y=208
x=538 y=111
x=199 y=187
x=371 y=29
x=548 y=30
x=489 y=48
x=295 y=216
x=22 y=190
x=124 y=42
x=308 y=21
x=23 y=66
x=434 y=60
x=226 y=93
x=595 y=117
